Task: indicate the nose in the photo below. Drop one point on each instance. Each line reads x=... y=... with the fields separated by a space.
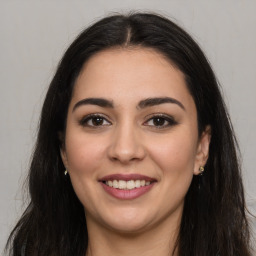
x=126 y=145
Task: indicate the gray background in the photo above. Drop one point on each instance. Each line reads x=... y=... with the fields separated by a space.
x=34 y=35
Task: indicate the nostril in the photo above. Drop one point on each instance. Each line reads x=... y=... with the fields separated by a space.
x=126 y=154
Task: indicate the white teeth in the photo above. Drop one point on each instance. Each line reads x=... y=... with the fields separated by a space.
x=137 y=183
x=122 y=184
x=130 y=184
x=115 y=184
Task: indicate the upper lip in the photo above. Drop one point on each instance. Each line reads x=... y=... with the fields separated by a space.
x=126 y=177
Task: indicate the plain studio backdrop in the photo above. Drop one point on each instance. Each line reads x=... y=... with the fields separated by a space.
x=35 y=34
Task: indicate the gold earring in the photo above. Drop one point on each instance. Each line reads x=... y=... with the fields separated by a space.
x=66 y=172
x=201 y=169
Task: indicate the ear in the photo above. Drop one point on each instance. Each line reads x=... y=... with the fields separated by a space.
x=63 y=149
x=202 y=150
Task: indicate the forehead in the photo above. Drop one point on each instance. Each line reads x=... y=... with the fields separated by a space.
x=130 y=74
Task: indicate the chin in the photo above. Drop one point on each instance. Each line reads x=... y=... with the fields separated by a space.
x=128 y=222
x=129 y=228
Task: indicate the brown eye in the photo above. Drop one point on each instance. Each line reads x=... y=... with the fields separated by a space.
x=94 y=121
x=160 y=121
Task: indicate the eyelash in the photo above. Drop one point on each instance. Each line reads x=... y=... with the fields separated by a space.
x=162 y=117
x=166 y=118
x=84 y=121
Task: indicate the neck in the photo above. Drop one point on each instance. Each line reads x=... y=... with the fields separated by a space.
x=159 y=240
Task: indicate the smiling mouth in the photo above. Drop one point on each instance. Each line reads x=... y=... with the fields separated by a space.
x=127 y=185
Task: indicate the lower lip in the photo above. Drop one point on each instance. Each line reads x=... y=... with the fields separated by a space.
x=127 y=194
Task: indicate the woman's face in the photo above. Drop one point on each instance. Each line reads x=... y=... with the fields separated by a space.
x=131 y=142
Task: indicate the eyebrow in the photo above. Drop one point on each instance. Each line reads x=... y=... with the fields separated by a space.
x=149 y=102
x=104 y=103
x=157 y=101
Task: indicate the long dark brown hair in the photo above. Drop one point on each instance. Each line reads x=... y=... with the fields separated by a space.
x=214 y=220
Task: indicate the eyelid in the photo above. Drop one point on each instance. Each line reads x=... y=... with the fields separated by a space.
x=170 y=119
x=86 y=118
x=167 y=117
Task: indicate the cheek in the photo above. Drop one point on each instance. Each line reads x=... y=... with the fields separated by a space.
x=174 y=157
x=84 y=157
x=174 y=153
x=84 y=154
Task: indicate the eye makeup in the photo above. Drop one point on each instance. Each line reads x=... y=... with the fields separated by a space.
x=154 y=121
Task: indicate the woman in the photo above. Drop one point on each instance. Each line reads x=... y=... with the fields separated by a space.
x=135 y=151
